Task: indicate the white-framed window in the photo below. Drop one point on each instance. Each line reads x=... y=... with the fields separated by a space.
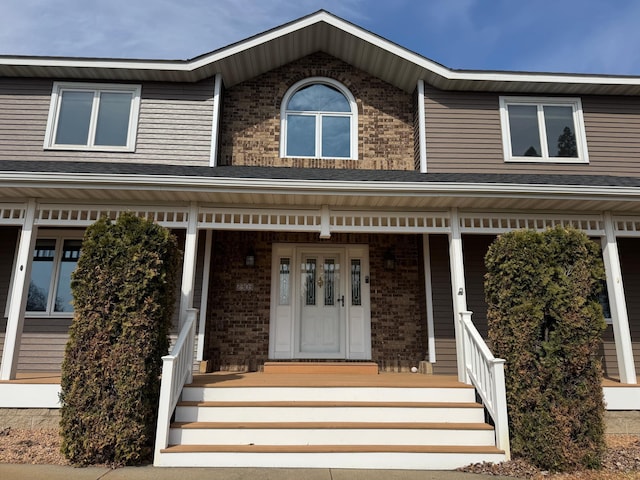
x=319 y=119
x=543 y=130
x=55 y=257
x=86 y=116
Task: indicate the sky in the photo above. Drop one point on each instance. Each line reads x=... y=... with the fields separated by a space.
x=572 y=36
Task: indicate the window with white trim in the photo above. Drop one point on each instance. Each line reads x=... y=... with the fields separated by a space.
x=319 y=120
x=543 y=130
x=54 y=259
x=85 y=116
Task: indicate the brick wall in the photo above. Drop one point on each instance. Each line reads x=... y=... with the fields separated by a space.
x=238 y=315
x=250 y=127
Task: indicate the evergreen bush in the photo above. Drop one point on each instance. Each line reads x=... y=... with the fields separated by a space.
x=546 y=322
x=124 y=296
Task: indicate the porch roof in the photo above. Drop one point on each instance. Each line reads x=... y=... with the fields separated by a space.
x=248 y=185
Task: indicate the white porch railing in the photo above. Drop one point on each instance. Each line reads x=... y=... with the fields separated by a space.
x=177 y=370
x=486 y=374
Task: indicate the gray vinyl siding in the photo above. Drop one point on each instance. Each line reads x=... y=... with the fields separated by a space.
x=475 y=248
x=629 y=249
x=44 y=339
x=464 y=135
x=174 y=125
x=8 y=239
x=442 y=306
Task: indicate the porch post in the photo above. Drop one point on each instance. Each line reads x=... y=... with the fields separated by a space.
x=18 y=295
x=431 y=341
x=189 y=263
x=202 y=324
x=458 y=288
x=617 y=303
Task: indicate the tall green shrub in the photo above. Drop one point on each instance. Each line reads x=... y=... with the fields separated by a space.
x=545 y=320
x=124 y=296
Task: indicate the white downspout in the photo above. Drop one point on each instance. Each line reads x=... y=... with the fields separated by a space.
x=422 y=128
x=215 y=124
x=431 y=339
x=204 y=296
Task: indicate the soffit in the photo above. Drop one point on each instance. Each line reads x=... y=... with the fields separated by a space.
x=424 y=198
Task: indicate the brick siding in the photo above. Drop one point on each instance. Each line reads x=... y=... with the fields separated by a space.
x=250 y=130
x=238 y=315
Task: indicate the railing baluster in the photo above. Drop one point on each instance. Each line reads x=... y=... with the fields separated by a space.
x=487 y=375
x=177 y=370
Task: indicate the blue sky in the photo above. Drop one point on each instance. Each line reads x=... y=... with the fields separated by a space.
x=575 y=36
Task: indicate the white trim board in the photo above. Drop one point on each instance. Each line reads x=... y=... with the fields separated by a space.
x=20 y=395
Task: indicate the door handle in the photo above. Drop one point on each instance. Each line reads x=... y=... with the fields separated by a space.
x=342 y=300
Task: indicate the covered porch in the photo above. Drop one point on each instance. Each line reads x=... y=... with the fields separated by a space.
x=417 y=271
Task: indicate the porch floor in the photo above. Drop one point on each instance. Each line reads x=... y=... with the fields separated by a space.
x=257 y=379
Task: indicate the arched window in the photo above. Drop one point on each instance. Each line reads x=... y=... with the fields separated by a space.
x=319 y=120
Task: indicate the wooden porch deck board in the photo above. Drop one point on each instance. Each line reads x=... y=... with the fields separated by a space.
x=257 y=379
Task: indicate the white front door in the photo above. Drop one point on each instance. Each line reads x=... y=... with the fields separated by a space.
x=321 y=326
x=320 y=302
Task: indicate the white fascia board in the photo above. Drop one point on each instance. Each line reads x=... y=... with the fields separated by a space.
x=185 y=183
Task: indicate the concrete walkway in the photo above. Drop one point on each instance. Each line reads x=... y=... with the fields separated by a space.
x=54 y=472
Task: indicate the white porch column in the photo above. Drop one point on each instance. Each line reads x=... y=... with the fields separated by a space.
x=458 y=288
x=431 y=340
x=18 y=295
x=202 y=323
x=189 y=263
x=617 y=303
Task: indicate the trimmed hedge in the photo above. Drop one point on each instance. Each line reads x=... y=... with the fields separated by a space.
x=545 y=321
x=124 y=297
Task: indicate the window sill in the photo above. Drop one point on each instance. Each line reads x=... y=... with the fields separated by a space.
x=546 y=160
x=85 y=148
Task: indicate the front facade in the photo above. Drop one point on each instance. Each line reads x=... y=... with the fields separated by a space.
x=334 y=198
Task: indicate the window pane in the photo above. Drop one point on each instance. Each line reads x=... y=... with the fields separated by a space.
x=68 y=262
x=356 y=283
x=284 y=281
x=301 y=136
x=336 y=137
x=319 y=98
x=329 y=281
x=309 y=281
x=113 y=119
x=525 y=136
x=560 y=129
x=41 y=271
x=74 y=118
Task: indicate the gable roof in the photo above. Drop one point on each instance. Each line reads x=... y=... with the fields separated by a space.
x=320 y=31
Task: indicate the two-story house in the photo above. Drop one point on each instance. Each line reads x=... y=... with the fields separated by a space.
x=335 y=195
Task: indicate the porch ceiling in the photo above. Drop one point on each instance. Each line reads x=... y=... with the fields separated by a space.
x=308 y=194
